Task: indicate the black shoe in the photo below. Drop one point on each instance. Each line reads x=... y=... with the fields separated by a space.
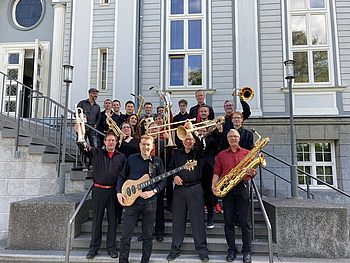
x=247 y=257
x=140 y=238
x=172 y=255
x=91 y=254
x=231 y=256
x=159 y=238
x=204 y=258
x=113 y=253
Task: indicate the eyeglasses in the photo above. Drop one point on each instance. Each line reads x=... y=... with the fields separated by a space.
x=237 y=118
x=126 y=127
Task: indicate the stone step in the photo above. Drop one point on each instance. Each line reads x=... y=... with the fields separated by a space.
x=217 y=231
x=258 y=216
x=215 y=244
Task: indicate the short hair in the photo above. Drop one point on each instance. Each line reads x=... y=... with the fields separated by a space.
x=160 y=107
x=147 y=103
x=199 y=90
x=129 y=102
x=117 y=101
x=238 y=113
x=205 y=106
x=107 y=100
x=183 y=101
x=147 y=137
x=233 y=130
x=227 y=101
x=110 y=134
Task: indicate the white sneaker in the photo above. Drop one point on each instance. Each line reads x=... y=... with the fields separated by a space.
x=210 y=226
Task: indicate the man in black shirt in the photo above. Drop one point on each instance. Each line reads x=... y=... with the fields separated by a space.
x=108 y=164
x=188 y=196
x=92 y=112
x=181 y=116
x=195 y=110
x=136 y=166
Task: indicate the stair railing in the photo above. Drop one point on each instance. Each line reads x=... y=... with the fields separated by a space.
x=266 y=219
x=37 y=114
x=300 y=171
x=70 y=224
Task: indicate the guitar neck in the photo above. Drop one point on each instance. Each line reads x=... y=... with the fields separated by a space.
x=161 y=177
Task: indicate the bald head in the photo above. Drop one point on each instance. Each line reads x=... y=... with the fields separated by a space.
x=233 y=133
x=233 y=138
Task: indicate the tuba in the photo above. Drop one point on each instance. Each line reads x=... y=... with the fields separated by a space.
x=237 y=174
x=80 y=124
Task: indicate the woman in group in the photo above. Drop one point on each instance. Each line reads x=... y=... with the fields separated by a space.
x=128 y=144
x=135 y=126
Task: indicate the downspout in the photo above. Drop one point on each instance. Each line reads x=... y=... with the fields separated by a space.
x=138 y=51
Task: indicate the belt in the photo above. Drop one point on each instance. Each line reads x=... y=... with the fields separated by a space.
x=104 y=186
x=190 y=184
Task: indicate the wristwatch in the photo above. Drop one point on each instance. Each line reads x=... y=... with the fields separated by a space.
x=155 y=190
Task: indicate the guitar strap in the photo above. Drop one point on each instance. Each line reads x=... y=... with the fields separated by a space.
x=150 y=167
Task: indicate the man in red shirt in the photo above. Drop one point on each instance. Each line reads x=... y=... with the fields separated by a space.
x=237 y=200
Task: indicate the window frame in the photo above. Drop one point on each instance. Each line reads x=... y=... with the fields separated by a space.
x=13 y=20
x=186 y=52
x=309 y=48
x=100 y=80
x=313 y=163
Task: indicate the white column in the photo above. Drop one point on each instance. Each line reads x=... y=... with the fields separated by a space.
x=57 y=49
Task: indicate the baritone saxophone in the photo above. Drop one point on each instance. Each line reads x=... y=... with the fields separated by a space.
x=237 y=174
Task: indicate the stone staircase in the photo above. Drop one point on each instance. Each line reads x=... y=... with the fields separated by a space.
x=215 y=237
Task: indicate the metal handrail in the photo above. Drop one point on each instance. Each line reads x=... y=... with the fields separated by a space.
x=38 y=114
x=266 y=219
x=70 y=223
x=309 y=175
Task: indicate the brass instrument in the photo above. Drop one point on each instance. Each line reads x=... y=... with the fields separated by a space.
x=181 y=131
x=146 y=122
x=168 y=130
x=80 y=124
x=112 y=125
x=245 y=93
x=237 y=174
x=141 y=101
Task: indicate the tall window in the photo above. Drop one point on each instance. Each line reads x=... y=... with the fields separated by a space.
x=102 y=68
x=186 y=43
x=317 y=159
x=310 y=41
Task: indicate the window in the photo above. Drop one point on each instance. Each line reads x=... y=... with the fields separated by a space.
x=186 y=44
x=317 y=159
x=310 y=41
x=102 y=68
x=26 y=14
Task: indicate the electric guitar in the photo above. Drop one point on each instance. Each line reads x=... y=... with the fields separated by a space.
x=132 y=189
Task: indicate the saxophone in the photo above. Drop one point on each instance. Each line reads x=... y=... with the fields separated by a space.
x=236 y=175
x=112 y=125
x=80 y=124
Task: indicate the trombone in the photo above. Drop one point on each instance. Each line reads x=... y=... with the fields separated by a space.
x=165 y=125
x=181 y=131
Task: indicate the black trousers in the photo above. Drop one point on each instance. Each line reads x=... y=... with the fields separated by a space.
x=147 y=210
x=159 y=225
x=103 y=199
x=189 y=199
x=169 y=193
x=206 y=180
x=237 y=201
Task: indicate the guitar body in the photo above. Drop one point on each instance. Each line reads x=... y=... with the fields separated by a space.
x=131 y=189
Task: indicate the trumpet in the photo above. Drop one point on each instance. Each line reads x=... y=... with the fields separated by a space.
x=181 y=131
x=112 y=125
x=245 y=93
x=80 y=124
x=171 y=129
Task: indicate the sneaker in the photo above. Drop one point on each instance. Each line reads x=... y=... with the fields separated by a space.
x=210 y=226
x=218 y=209
x=247 y=257
x=113 y=253
x=231 y=256
x=172 y=255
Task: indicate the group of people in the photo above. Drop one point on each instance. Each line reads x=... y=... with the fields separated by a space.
x=140 y=148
